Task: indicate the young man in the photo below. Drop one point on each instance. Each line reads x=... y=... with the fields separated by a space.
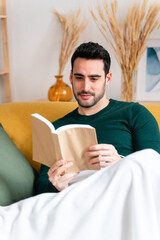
x=122 y=128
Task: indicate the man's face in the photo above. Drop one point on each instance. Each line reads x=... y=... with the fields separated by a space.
x=88 y=81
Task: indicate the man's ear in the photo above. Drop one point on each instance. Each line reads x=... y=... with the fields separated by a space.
x=70 y=77
x=108 y=78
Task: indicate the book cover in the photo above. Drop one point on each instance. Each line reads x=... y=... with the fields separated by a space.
x=68 y=142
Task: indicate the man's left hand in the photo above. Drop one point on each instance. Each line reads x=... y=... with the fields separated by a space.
x=102 y=155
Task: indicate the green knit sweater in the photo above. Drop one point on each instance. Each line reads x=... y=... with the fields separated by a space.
x=129 y=127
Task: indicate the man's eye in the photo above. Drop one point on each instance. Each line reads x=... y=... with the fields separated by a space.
x=79 y=78
x=94 y=79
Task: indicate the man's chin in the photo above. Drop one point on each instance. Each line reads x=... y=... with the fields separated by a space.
x=85 y=104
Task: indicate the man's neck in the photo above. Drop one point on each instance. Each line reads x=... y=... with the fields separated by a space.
x=94 y=109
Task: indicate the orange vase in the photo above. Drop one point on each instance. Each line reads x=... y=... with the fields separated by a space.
x=60 y=91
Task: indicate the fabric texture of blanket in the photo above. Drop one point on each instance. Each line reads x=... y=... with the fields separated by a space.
x=119 y=202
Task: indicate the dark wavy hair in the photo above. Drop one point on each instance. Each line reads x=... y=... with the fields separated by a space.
x=92 y=50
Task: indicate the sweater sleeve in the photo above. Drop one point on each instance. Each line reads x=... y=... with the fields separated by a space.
x=43 y=184
x=145 y=129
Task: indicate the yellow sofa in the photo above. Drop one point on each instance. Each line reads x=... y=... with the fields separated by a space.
x=15 y=118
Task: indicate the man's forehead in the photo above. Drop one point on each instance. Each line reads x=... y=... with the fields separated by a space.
x=79 y=60
x=82 y=75
x=91 y=65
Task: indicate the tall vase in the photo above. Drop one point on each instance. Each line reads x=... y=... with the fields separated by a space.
x=128 y=85
x=60 y=91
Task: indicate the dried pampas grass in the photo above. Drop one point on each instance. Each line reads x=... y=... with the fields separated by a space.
x=128 y=38
x=72 y=27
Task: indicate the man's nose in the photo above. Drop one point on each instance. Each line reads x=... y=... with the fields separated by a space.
x=86 y=85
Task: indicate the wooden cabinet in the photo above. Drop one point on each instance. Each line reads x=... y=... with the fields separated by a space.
x=5 y=73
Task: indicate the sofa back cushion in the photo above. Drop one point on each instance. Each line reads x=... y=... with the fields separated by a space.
x=155 y=110
x=15 y=118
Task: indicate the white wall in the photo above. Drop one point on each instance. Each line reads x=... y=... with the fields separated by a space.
x=34 y=42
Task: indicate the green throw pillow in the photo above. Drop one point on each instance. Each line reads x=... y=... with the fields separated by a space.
x=17 y=176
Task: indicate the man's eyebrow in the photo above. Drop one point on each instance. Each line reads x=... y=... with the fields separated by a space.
x=92 y=75
x=78 y=74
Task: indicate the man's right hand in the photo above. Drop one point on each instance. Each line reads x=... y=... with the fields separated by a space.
x=57 y=175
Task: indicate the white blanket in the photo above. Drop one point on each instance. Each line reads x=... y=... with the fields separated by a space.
x=120 y=202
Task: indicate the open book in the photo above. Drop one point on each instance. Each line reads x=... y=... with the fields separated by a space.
x=68 y=142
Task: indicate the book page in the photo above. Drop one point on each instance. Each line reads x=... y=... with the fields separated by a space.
x=43 y=119
x=45 y=150
x=68 y=126
x=74 y=142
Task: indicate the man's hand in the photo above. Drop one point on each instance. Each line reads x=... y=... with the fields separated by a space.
x=57 y=175
x=102 y=155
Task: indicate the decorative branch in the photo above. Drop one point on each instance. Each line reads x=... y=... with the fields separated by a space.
x=128 y=38
x=72 y=27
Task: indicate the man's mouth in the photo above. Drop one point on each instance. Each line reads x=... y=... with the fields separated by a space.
x=85 y=95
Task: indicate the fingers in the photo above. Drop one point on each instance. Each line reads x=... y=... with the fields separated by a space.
x=100 y=161
x=102 y=155
x=61 y=182
x=59 y=167
x=101 y=147
x=55 y=166
x=57 y=175
x=100 y=158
